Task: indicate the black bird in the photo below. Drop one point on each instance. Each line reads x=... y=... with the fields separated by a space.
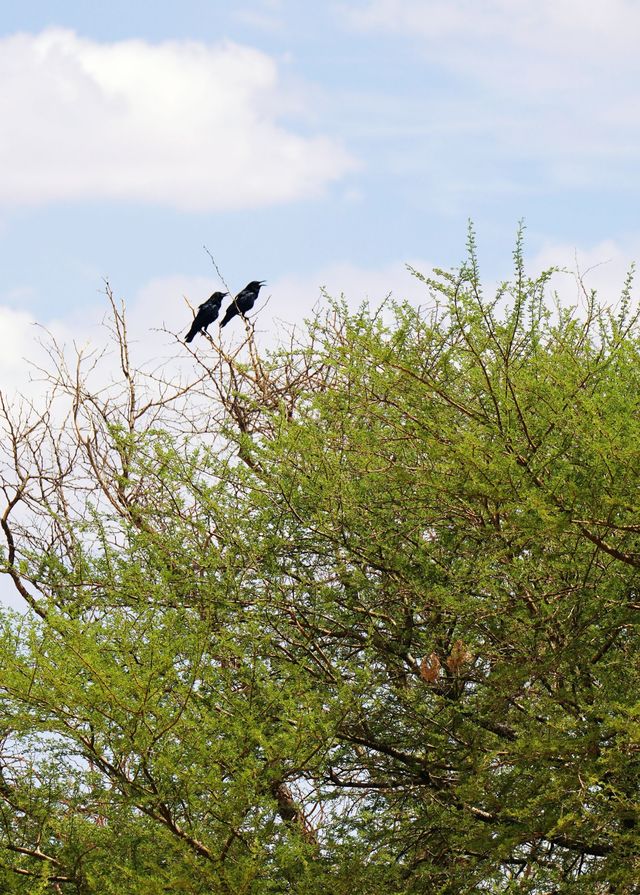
x=207 y=313
x=243 y=301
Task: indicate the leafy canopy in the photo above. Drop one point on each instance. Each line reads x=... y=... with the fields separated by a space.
x=357 y=616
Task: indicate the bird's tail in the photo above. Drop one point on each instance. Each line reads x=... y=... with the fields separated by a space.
x=191 y=334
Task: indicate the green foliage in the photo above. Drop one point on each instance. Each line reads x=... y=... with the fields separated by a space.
x=382 y=639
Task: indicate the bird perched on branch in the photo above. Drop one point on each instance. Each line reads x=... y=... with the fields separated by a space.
x=207 y=313
x=243 y=301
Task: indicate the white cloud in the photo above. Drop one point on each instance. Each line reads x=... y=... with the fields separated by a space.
x=21 y=349
x=180 y=123
x=295 y=297
x=16 y=330
x=529 y=42
x=266 y=16
x=553 y=80
x=603 y=267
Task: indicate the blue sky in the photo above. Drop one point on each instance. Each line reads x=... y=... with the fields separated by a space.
x=306 y=144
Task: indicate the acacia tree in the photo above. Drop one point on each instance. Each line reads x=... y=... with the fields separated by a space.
x=358 y=615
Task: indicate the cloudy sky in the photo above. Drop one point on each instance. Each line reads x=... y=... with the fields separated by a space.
x=309 y=145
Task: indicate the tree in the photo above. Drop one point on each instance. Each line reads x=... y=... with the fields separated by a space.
x=358 y=615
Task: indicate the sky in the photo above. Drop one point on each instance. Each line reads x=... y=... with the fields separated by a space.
x=309 y=145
